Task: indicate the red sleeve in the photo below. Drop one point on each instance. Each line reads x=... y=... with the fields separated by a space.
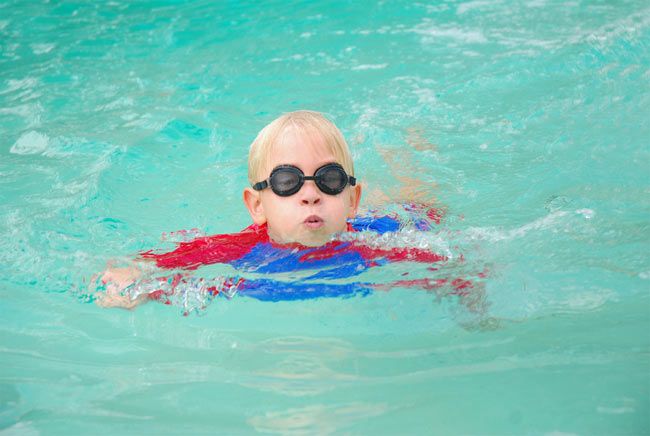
x=208 y=250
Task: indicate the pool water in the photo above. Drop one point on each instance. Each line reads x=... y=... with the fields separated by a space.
x=526 y=121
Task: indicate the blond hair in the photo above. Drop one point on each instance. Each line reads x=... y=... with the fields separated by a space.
x=307 y=122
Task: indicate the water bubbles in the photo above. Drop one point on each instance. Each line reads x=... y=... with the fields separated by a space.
x=182 y=235
x=557 y=202
x=586 y=213
x=404 y=238
x=191 y=293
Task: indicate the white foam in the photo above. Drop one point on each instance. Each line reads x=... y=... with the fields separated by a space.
x=426 y=96
x=455 y=33
x=39 y=49
x=536 y=3
x=464 y=7
x=14 y=85
x=31 y=142
x=311 y=419
x=405 y=238
x=495 y=235
x=586 y=213
x=370 y=67
x=587 y=301
x=21 y=428
x=119 y=103
x=30 y=112
x=621 y=406
x=615 y=410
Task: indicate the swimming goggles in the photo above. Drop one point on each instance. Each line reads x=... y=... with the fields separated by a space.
x=286 y=180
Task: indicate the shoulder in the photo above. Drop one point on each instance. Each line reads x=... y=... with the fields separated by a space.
x=420 y=216
x=378 y=224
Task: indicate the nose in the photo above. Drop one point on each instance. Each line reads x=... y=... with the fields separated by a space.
x=309 y=193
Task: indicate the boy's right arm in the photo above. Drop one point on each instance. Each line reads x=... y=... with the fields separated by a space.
x=206 y=250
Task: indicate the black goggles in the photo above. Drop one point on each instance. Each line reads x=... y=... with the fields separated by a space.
x=286 y=180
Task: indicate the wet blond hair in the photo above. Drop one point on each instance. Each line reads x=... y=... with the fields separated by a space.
x=310 y=123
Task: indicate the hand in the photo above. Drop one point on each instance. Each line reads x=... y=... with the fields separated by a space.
x=117 y=280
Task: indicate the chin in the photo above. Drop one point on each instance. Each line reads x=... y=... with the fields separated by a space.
x=314 y=242
x=308 y=240
x=318 y=238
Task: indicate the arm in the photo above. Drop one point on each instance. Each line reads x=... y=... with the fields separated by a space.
x=142 y=280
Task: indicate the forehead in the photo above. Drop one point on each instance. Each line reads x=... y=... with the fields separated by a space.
x=300 y=146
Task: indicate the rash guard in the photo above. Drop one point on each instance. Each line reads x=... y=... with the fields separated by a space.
x=251 y=250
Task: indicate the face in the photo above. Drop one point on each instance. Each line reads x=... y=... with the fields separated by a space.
x=309 y=217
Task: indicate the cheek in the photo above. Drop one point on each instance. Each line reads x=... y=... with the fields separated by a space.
x=341 y=207
x=349 y=204
x=346 y=199
x=277 y=209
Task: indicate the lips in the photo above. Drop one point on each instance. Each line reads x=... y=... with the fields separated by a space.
x=314 y=222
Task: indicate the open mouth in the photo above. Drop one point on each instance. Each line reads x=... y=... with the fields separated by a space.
x=314 y=222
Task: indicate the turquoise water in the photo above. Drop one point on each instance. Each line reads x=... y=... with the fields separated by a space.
x=526 y=121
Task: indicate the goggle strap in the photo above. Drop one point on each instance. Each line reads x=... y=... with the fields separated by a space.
x=261 y=185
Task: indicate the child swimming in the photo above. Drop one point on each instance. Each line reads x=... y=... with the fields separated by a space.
x=303 y=194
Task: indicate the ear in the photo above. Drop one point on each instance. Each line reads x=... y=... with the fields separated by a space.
x=355 y=199
x=253 y=203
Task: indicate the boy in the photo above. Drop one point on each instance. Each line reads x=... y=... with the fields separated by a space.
x=303 y=192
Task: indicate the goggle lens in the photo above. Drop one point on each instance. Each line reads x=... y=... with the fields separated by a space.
x=332 y=179
x=286 y=181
